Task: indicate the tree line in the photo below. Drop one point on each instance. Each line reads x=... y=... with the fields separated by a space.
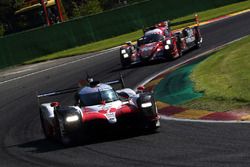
x=10 y=23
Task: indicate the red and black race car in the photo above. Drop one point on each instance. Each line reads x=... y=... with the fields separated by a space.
x=159 y=42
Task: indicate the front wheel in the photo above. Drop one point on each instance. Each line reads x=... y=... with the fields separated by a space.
x=61 y=132
x=152 y=126
x=180 y=52
x=46 y=127
x=177 y=50
x=178 y=45
x=125 y=63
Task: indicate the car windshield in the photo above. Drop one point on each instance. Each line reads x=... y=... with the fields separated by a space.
x=96 y=98
x=150 y=39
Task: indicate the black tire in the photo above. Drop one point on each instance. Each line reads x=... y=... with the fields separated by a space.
x=178 y=40
x=197 y=38
x=125 y=62
x=61 y=133
x=149 y=124
x=152 y=127
x=125 y=65
x=180 y=52
x=47 y=129
x=197 y=45
x=197 y=42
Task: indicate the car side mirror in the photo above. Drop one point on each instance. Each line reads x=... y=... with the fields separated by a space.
x=185 y=33
x=140 y=88
x=129 y=43
x=55 y=104
x=103 y=102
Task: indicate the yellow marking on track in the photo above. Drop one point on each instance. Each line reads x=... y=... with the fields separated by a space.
x=192 y=114
x=153 y=82
x=161 y=105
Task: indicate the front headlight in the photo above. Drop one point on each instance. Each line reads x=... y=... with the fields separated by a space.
x=169 y=42
x=167 y=47
x=146 y=105
x=72 y=118
x=159 y=49
x=125 y=55
x=123 y=51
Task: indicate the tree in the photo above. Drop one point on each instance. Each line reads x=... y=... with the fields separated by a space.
x=1 y=29
x=72 y=8
x=75 y=10
x=91 y=7
x=7 y=10
x=108 y=4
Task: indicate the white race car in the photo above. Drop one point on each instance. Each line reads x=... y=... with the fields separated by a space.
x=98 y=106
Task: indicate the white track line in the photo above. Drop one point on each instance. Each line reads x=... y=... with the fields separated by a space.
x=17 y=72
x=163 y=117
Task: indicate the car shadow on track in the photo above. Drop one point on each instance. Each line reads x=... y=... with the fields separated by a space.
x=45 y=145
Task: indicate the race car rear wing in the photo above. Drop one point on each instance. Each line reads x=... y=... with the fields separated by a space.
x=160 y=24
x=75 y=89
x=58 y=92
x=167 y=23
x=55 y=93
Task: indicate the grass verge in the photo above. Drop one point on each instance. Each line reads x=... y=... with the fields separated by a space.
x=116 y=41
x=224 y=78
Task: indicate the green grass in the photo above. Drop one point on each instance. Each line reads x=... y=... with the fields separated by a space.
x=92 y=47
x=116 y=41
x=224 y=78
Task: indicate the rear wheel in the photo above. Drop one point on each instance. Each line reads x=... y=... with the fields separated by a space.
x=178 y=52
x=197 y=44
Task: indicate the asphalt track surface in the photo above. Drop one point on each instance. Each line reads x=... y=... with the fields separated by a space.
x=176 y=144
